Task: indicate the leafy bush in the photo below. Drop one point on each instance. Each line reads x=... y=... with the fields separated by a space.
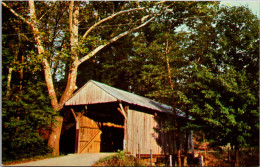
x=120 y=159
x=25 y=114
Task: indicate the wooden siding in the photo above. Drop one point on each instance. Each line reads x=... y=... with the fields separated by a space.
x=90 y=136
x=141 y=132
x=144 y=133
x=90 y=94
x=95 y=137
x=94 y=92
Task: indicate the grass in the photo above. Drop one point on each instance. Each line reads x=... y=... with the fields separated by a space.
x=25 y=160
x=120 y=159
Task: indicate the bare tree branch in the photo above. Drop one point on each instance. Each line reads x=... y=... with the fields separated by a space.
x=91 y=54
x=108 y=18
x=96 y=50
x=41 y=52
x=16 y=14
x=47 y=11
x=114 y=15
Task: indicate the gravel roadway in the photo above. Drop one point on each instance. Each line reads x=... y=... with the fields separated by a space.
x=84 y=159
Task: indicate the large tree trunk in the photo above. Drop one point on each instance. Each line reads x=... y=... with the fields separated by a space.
x=72 y=76
x=177 y=132
x=237 y=156
x=55 y=132
x=41 y=54
x=10 y=69
x=8 y=85
x=54 y=137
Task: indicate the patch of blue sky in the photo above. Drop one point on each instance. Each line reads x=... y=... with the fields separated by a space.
x=253 y=5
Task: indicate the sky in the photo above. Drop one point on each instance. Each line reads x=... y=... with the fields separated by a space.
x=253 y=5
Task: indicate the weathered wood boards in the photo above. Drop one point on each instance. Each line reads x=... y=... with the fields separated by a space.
x=92 y=133
x=140 y=133
x=122 y=121
x=89 y=136
x=94 y=92
x=144 y=133
x=90 y=94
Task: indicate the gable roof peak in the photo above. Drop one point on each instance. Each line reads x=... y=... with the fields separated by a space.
x=126 y=97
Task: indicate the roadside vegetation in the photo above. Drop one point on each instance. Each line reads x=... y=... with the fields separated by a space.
x=217 y=157
x=225 y=157
x=120 y=159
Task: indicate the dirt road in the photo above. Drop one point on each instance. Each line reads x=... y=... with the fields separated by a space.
x=85 y=159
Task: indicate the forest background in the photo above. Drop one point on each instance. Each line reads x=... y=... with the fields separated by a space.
x=200 y=57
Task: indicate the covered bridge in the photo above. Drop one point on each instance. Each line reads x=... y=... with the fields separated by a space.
x=109 y=119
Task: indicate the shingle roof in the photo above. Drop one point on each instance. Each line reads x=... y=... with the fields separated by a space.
x=130 y=98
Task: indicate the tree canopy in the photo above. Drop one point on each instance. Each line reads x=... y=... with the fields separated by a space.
x=195 y=56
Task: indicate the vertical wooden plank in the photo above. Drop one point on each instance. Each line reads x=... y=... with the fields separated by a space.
x=129 y=116
x=151 y=157
x=87 y=133
x=141 y=132
x=136 y=127
x=124 y=113
x=149 y=134
x=144 y=129
x=158 y=135
x=77 y=138
x=153 y=134
x=139 y=151
x=170 y=160
x=129 y=130
x=125 y=135
x=78 y=130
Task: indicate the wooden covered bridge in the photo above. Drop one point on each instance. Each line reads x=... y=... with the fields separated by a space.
x=109 y=119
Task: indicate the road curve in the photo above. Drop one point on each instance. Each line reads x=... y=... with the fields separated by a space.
x=84 y=159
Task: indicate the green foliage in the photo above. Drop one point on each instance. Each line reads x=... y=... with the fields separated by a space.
x=212 y=53
x=223 y=87
x=25 y=160
x=120 y=159
x=25 y=106
x=213 y=63
x=26 y=110
x=106 y=159
x=223 y=105
x=213 y=70
x=24 y=116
